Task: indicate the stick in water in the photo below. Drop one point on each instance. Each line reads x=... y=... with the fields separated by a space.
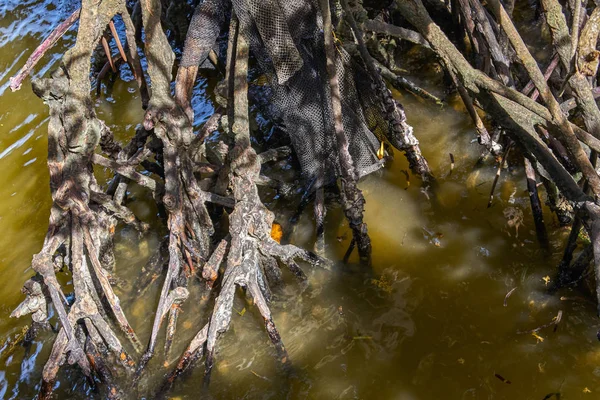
x=17 y=80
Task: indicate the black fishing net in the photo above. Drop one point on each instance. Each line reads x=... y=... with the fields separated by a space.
x=286 y=38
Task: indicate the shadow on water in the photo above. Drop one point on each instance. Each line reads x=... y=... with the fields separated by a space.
x=427 y=322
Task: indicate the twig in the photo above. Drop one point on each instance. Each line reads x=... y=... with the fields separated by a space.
x=399 y=82
x=536 y=205
x=115 y=34
x=498 y=171
x=510 y=292
x=530 y=86
x=555 y=321
x=106 y=48
x=129 y=172
x=38 y=53
x=396 y=31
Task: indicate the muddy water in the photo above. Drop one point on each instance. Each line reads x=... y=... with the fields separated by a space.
x=427 y=322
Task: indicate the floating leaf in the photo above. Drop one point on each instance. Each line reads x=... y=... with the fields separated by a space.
x=538 y=337
x=546 y=280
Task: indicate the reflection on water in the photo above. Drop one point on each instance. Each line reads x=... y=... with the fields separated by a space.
x=429 y=321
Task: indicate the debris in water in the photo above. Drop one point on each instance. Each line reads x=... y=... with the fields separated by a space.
x=342 y=237
x=461 y=361
x=433 y=237
x=260 y=376
x=586 y=390
x=503 y=379
x=383 y=283
x=514 y=219
x=555 y=321
x=546 y=280
x=537 y=337
x=550 y=395
x=483 y=251
x=577 y=298
x=508 y=295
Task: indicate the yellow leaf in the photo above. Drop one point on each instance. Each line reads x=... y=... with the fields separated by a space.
x=380 y=152
x=586 y=390
x=546 y=280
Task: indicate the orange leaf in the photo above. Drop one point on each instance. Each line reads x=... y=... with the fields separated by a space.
x=276 y=232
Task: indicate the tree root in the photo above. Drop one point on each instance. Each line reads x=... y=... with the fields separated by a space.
x=84 y=216
x=76 y=223
x=250 y=241
x=526 y=119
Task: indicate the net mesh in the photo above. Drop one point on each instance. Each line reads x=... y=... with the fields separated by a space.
x=286 y=38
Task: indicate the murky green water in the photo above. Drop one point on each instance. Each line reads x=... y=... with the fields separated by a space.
x=427 y=322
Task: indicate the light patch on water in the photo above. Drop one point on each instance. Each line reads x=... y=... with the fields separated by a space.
x=394 y=227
